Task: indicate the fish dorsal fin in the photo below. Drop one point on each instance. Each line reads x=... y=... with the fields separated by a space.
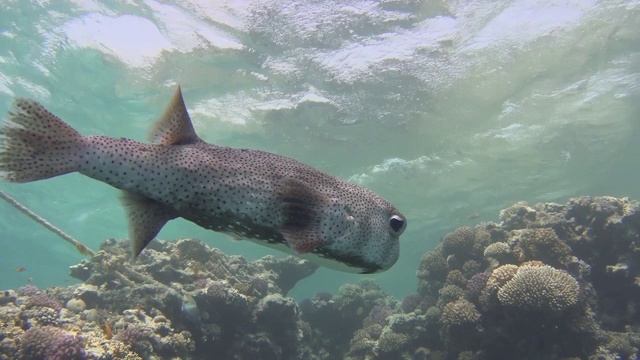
x=302 y=210
x=174 y=127
x=146 y=217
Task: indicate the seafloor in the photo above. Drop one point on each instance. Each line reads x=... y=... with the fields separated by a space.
x=549 y=281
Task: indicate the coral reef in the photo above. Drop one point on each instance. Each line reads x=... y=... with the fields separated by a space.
x=134 y=309
x=549 y=281
x=53 y=343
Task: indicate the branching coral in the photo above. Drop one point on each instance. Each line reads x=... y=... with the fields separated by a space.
x=476 y=284
x=543 y=244
x=540 y=289
x=391 y=341
x=517 y=216
x=40 y=316
x=459 y=243
x=51 y=343
x=455 y=277
x=361 y=343
x=459 y=312
x=499 y=251
x=433 y=266
x=450 y=293
x=495 y=281
x=136 y=338
x=277 y=311
x=42 y=299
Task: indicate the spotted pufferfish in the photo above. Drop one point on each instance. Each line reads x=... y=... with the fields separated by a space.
x=269 y=199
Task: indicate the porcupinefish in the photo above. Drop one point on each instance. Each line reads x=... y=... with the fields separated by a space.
x=269 y=199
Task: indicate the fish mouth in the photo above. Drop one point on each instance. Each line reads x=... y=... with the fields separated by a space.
x=358 y=263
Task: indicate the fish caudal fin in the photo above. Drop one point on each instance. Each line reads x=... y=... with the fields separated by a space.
x=36 y=145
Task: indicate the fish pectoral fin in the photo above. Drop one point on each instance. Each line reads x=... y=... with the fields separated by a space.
x=174 y=126
x=146 y=217
x=302 y=241
x=302 y=210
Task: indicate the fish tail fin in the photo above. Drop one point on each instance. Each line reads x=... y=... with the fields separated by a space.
x=36 y=145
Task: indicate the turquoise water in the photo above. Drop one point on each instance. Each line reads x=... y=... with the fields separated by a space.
x=452 y=110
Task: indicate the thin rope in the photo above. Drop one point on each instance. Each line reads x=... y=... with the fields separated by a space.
x=82 y=248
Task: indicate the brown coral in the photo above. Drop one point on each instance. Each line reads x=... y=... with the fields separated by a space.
x=500 y=251
x=459 y=243
x=459 y=312
x=543 y=244
x=498 y=278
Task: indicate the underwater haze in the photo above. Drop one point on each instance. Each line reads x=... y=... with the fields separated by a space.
x=451 y=110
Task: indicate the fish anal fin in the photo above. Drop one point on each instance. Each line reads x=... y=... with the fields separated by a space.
x=302 y=210
x=174 y=127
x=145 y=217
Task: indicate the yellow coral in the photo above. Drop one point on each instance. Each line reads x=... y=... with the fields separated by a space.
x=501 y=276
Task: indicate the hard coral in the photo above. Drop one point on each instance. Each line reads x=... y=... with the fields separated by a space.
x=42 y=299
x=476 y=284
x=459 y=242
x=223 y=301
x=365 y=295
x=28 y=290
x=361 y=343
x=460 y=324
x=517 y=216
x=433 y=265
x=135 y=337
x=277 y=311
x=51 y=343
x=543 y=244
x=378 y=315
x=410 y=303
x=456 y=278
x=193 y=249
x=459 y=312
x=40 y=316
x=499 y=251
x=471 y=267
x=498 y=278
x=450 y=293
x=540 y=289
x=391 y=341
x=432 y=272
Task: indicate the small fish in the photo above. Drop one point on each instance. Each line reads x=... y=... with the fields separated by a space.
x=20 y=269
x=190 y=309
x=269 y=199
x=473 y=216
x=108 y=331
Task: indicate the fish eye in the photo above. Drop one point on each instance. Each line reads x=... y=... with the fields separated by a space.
x=397 y=223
